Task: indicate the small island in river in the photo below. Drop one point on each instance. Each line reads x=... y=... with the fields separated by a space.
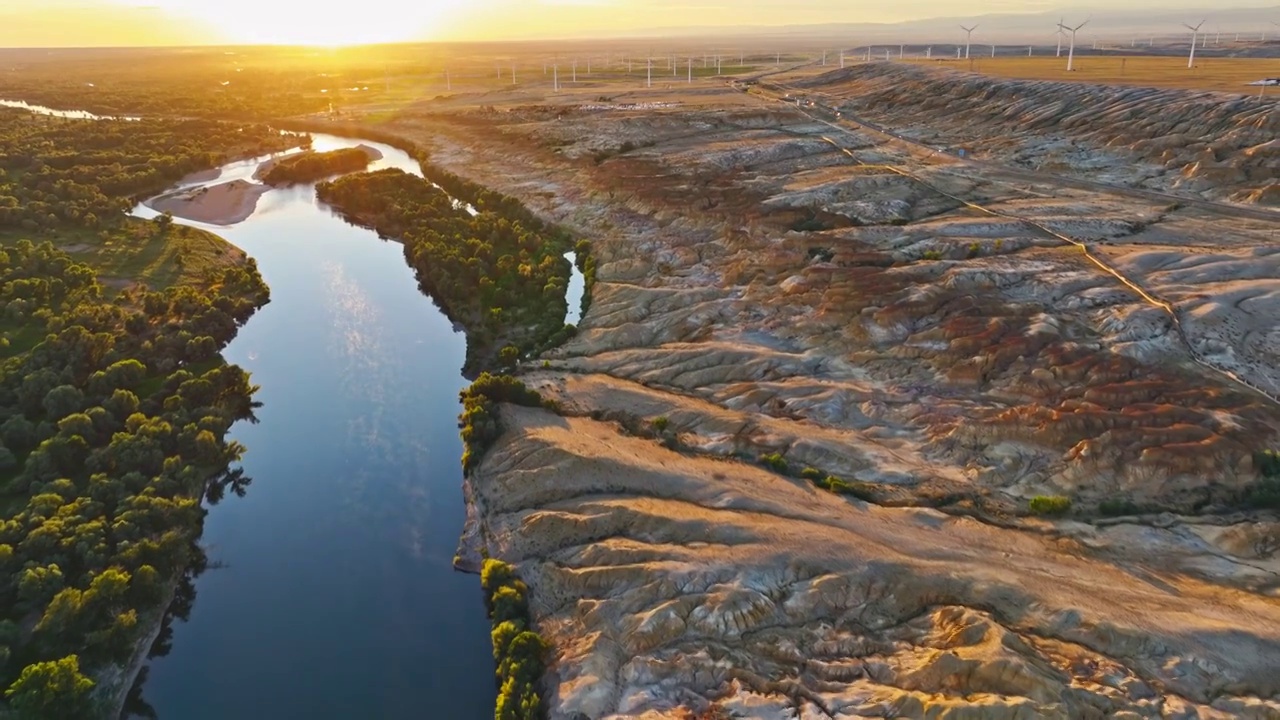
x=309 y=165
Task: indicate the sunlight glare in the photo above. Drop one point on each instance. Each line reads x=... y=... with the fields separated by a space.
x=295 y=22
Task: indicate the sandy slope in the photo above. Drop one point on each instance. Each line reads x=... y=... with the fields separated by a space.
x=649 y=567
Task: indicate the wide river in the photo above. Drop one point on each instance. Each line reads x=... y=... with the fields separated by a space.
x=334 y=595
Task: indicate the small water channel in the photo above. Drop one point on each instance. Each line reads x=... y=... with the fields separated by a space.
x=74 y=114
x=336 y=596
x=573 y=295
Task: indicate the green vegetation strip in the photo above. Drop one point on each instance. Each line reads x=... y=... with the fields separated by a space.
x=519 y=651
x=498 y=273
x=309 y=166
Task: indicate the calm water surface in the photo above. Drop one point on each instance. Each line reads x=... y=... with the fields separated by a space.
x=337 y=598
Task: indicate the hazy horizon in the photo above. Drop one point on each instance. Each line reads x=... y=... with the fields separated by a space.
x=115 y=23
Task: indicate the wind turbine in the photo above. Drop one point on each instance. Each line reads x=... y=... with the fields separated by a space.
x=1191 y=61
x=1071 y=51
x=968 y=36
x=1059 y=38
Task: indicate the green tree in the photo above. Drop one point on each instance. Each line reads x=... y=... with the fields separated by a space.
x=52 y=690
x=18 y=433
x=121 y=404
x=62 y=401
x=7 y=459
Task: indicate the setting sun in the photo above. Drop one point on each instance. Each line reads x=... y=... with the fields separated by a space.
x=293 y=22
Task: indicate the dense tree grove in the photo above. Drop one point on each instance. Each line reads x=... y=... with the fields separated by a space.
x=502 y=280
x=114 y=424
x=113 y=415
x=253 y=83
x=56 y=173
x=310 y=166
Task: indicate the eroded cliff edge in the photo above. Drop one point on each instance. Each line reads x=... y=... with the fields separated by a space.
x=769 y=285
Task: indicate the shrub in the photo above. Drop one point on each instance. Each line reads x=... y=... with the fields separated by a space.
x=660 y=424
x=862 y=491
x=479 y=419
x=974 y=250
x=775 y=462
x=1267 y=462
x=509 y=355
x=1050 y=505
x=811 y=473
x=1263 y=495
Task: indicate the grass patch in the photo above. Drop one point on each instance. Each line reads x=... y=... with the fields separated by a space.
x=862 y=491
x=137 y=252
x=775 y=462
x=1050 y=505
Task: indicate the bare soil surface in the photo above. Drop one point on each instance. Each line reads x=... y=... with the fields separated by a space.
x=1214 y=145
x=223 y=204
x=945 y=342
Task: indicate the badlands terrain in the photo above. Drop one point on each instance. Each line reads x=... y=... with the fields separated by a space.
x=1209 y=144
x=947 y=340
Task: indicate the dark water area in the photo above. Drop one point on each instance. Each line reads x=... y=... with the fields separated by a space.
x=332 y=593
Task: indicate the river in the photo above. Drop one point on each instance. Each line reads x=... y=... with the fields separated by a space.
x=336 y=596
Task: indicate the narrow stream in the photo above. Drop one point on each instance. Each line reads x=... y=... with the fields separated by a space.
x=335 y=596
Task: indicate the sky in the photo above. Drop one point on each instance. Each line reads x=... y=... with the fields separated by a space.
x=78 y=23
